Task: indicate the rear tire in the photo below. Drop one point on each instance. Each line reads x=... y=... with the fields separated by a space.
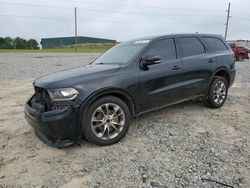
x=106 y=121
x=241 y=57
x=217 y=93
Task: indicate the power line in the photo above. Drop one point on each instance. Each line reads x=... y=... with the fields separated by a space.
x=35 y=5
x=121 y=12
x=108 y=21
x=241 y=19
x=113 y=11
x=115 y=22
x=239 y=13
x=115 y=4
x=141 y=6
x=146 y=13
x=237 y=26
x=176 y=24
x=108 y=11
x=35 y=17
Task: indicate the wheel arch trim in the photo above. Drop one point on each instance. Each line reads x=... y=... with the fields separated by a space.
x=112 y=92
x=217 y=71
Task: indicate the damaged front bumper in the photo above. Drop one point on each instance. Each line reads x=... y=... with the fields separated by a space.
x=59 y=127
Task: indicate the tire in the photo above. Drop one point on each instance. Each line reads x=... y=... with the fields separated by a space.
x=241 y=57
x=217 y=94
x=106 y=127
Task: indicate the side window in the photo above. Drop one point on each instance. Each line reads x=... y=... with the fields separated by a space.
x=215 y=44
x=166 y=49
x=190 y=46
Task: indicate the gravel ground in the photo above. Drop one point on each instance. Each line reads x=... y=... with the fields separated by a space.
x=185 y=145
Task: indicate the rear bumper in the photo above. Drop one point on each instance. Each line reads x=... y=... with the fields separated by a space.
x=58 y=128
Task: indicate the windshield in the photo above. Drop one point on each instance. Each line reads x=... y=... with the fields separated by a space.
x=119 y=54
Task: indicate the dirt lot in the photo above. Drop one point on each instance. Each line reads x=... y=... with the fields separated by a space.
x=179 y=146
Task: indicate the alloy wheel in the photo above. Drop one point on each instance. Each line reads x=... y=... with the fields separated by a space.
x=107 y=121
x=219 y=92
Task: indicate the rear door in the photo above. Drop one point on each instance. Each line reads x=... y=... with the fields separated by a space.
x=196 y=65
x=161 y=84
x=219 y=51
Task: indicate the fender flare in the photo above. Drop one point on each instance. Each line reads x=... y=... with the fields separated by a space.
x=215 y=72
x=109 y=91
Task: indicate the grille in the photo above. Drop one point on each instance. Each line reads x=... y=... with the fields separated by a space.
x=59 y=107
x=41 y=100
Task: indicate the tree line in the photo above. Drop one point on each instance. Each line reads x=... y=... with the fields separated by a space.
x=18 y=43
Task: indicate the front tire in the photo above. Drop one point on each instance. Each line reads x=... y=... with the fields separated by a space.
x=106 y=121
x=217 y=93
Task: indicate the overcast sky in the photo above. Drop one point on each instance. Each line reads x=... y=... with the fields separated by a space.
x=122 y=19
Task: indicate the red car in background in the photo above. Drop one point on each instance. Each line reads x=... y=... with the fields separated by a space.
x=240 y=53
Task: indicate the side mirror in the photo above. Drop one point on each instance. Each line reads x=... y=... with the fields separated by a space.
x=151 y=60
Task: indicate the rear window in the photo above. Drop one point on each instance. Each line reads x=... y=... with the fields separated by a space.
x=191 y=46
x=215 y=44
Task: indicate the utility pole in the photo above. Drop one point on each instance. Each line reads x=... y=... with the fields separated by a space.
x=75 y=31
x=228 y=16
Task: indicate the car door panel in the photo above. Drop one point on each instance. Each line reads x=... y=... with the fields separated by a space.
x=196 y=65
x=161 y=85
x=197 y=73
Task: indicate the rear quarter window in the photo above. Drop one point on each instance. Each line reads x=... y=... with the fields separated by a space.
x=215 y=44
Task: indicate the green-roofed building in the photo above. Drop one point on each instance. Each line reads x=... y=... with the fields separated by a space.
x=66 y=41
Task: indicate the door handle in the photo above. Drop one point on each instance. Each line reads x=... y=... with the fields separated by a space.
x=176 y=67
x=211 y=60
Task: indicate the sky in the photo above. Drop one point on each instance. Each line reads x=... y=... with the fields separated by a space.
x=122 y=20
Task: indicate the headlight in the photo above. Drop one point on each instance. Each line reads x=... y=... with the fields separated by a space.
x=63 y=94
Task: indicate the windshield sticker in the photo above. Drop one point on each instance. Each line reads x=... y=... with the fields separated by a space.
x=142 y=41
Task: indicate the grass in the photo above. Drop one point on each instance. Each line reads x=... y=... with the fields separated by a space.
x=82 y=48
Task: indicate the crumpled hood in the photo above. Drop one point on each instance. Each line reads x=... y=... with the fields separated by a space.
x=71 y=77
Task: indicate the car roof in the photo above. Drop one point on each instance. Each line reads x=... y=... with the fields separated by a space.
x=154 y=37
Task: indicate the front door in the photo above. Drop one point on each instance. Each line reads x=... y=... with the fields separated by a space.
x=162 y=83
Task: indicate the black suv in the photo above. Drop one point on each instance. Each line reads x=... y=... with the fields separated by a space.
x=97 y=101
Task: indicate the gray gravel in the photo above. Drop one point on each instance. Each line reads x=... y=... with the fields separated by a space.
x=33 y=65
x=185 y=145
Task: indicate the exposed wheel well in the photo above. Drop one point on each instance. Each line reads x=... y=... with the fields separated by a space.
x=123 y=97
x=225 y=75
